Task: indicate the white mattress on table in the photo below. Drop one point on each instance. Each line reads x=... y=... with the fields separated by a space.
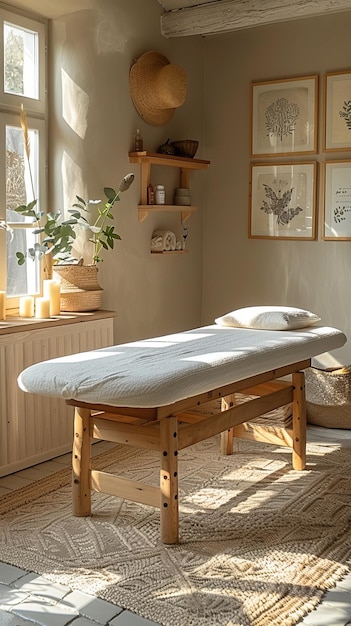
x=162 y=370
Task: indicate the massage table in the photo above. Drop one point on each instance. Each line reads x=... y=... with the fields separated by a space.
x=155 y=393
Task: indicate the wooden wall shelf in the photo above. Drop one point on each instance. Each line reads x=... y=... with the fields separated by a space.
x=146 y=160
x=145 y=209
x=169 y=252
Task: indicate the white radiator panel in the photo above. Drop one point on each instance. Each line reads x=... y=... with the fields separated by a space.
x=35 y=428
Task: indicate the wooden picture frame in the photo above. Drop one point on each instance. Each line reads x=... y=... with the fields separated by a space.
x=283 y=200
x=284 y=117
x=336 y=177
x=337 y=111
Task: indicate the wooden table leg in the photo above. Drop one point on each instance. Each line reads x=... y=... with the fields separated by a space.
x=227 y=437
x=299 y=421
x=81 y=489
x=169 y=514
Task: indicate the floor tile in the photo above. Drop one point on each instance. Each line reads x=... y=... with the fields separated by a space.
x=11 y=597
x=44 y=613
x=345 y=583
x=130 y=619
x=10 y=573
x=327 y=616
x=82 y=621
x=94 y=608
x=337 y=599
x=65 y=459
x=35 y=585
x=13 y=481
x=36 y=473
x=8 y=619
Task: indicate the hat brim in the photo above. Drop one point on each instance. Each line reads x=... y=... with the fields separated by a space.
x=147 y=63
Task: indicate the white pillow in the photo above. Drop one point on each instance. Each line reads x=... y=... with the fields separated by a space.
x=269 y=318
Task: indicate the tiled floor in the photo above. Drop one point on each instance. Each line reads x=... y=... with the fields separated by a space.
x=27 y=599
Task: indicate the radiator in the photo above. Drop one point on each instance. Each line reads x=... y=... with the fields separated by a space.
x=36 y=428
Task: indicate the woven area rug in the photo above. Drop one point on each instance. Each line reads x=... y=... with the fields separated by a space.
x=260 y=542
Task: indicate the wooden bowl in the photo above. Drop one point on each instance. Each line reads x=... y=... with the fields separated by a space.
x=186 y=147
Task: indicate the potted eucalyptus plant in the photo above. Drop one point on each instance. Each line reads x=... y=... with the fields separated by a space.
x=57 y=236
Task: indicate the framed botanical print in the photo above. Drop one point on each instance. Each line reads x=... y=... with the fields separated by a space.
x=337 y=111
x=284 y=117
x=337 y=200
x=282 y=201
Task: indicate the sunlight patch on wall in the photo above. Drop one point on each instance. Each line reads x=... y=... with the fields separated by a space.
x=111 y=33
x=75 y=105
x=72 y=185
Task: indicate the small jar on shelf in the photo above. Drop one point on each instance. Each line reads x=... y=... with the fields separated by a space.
x=160 y=194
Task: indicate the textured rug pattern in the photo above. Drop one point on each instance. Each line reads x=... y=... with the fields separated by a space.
x=260 y=542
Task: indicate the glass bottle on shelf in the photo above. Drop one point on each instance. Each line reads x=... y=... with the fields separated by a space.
x=150 y=194
x=138 y=141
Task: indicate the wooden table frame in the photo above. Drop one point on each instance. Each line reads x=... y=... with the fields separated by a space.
x=171 y=428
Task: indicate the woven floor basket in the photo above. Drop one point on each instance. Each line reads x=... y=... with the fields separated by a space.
x=328 y=397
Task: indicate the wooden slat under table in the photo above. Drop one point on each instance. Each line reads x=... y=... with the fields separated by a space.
x=171 y=428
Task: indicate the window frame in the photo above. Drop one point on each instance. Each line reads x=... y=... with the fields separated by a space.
x=10 y=101
x=36 y=112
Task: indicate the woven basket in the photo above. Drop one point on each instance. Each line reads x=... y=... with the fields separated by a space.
x=75 y=277
x=80 y=301
x=328 y=397
x=186 y=147
x=80 y=289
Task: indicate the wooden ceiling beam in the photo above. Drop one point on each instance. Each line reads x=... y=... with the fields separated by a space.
x=229 y=15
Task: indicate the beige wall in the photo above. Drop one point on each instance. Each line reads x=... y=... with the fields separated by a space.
x=238 y=271
x=93 y=51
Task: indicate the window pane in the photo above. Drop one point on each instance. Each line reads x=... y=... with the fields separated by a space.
x=24 y=279
x=21 y=188
x=21 y=179
x=21 y=76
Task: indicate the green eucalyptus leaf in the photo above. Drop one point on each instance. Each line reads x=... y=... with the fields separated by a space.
x=110 y=193
x=76 y=214
x=73 y=220
x=81 y=200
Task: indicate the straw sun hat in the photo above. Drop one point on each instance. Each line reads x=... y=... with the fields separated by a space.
x=157 y=88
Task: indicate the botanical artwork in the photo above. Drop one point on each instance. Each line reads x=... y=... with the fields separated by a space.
x=279 y=202
x=345 y=113
x=337 y=132
x=342 y=207
x=282 y=201
x=283 y=117
x=337 y=203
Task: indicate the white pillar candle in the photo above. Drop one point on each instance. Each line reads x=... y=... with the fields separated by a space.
x=42 y=308
x=2 y=305
x=26 y=306
x=52 y=291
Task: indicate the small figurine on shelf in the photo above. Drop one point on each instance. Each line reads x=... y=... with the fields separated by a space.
x=166 y=148
x=185 y=234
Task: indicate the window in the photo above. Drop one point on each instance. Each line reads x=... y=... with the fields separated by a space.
x=22 y=164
